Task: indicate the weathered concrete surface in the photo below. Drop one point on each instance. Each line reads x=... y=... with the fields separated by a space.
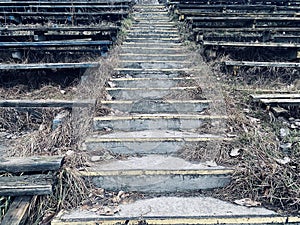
x=147 y=141
x=179 y=210
x=148 y=93
x=155 y=173
x=157 y=122
x=166 y=57
x=158 y=65
x=150 y=83
x=144 y=106
x=151 y=50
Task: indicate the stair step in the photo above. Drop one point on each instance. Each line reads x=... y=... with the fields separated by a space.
x=147 y=64
x=153 y=28
x=151 y=106
x=153 y=35
x=151 y=50
x=149 y=93
x=161 y=57
x=153 y=40
x=152 y=32
x=149 y=44
x=139 y=70
x=151 y=82
x=156 y=173
x=154 y=122
x=147 y=142
x=178 y=210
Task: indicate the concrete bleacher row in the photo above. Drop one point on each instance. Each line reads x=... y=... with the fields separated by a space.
x=58 y=29
x=229 y=27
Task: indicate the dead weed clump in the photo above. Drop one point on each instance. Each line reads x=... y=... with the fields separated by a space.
x=262 y=171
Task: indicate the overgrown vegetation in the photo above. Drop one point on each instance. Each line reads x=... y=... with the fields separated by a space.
x=264 y=171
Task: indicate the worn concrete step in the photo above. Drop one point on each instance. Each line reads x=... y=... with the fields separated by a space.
x=154 y=40
x=152 y=32
x=148 y=141
x=148 y=93
x=151 y=82
x=162 y=22
x=156 y=173
x=148 y=44
x=178 y=211
x=153 y=35
x=153 y=28
x=148 y=74
x=157 y=24
x=146 y=15
x=149 y=6
x=158 y=106
x=141 y=122
x=161 y=57
x=129 y=71
x=145 y=64
x=151 y=50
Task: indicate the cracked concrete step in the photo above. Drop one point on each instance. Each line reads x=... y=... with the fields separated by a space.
x=151 y=50
x=153 y=29
x=158 y=106
x=153 y=35
x=156 y=24
x=162 y=57
x=149 y=74
x=151 y=82
x=147 y=64
x=148 y=93
x=152 y=32
x=156 y=173
x=154 y=40
x=148 y=141
x=155 y=70
x=177 y=211
x=141 y=122
x=149 y=44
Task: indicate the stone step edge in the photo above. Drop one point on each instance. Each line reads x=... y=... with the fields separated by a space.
x=120 y=69
x=158 y=139
x=152 y=79
x=154 y=61
x=152 y=55
x=157 y=116
x=261 y=219
x=166 y=101
x=140 y=172
x=151 y=89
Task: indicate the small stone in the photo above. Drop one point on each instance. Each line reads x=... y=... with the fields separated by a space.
x=63 y=92
x=285 y=146
x=293 y=126
x=284 y=132
x=291 y=119
x=96 y=158
x=70 y=152
x=297 y=124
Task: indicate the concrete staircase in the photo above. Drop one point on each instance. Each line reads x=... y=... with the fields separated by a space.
x=150 y=124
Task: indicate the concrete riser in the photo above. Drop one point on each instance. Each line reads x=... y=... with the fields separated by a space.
x=151 y=51
x=155 y=83
x=151 y=35
x=152 y=106
x=156 y=40
x=143 y=93
x=152 y=32
x=154 y=65
x=149 y=75
x=162 y=183
x=153 y=57
x=149 y=124
x=150 y=45
x=131 y=148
